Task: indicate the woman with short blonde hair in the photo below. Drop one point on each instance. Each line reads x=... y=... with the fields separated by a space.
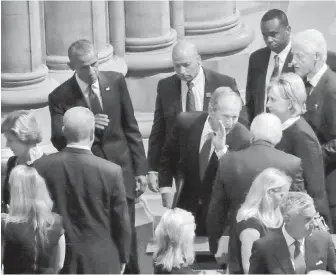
x=286 y=99
x=22 y=133
x=258 y=214
x=32 y=236
x=174 y=237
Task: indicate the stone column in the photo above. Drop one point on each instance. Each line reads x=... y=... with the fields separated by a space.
x=177 y=17
x=24 y=78
x=149 y=37
x=68 y=21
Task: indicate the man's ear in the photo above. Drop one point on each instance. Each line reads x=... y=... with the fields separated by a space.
x=70 y=66
x=199 y=60
x=63 y=129
x=288 y=29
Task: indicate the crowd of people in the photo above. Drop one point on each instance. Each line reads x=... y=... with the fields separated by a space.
x=262 y=173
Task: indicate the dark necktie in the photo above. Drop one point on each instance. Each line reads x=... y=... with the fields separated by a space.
x=299 y=260
x=204 y=156
x=276 y=70
x=190 y=104
x=309 y=86
x=95 y=105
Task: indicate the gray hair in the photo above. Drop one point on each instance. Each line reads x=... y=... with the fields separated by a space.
x=295 y=203
x=291 y=88
x=81 y=47
x=79 y=124
x=222 y=93
x=313 y=40
x=266 y=127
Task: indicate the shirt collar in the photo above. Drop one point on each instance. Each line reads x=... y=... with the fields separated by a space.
x=34 y=154
x=289 y=239
x=82 y=85
x=289 y=122
x=198 y=78
x=316 y=78
x=79 y=146
x=283 y=54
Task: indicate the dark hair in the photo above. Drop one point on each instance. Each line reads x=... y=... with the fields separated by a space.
x=276 y=14
x=81 y=47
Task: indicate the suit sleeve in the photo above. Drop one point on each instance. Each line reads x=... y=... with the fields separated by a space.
x=331 y=265
x=218 y=208
x=297 y=176
x=157 y=135
x=56 y=114
x=249 y=100
x=257 y=260
x=308 y=150
x=120 y=220
x=131 y=131
x=170 y=157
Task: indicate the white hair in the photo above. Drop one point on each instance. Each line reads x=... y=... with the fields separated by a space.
x=266 y=127
x=295 y=203
x=313 y=40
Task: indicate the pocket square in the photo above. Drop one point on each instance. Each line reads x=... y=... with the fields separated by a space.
x=319 y=262
x=107 y=88
x=208 y=94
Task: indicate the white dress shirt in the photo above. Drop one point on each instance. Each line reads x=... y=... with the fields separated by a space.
x=207 y=130
x=271 y=63
x=289 y=122
x=291 y=246
x=85 y=89
x=198 y=91
x=78 y=146
x=316 y=78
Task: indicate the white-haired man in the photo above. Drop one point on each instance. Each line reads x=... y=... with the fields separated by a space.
x=300 y=246
x=237 y=171
x=309 y=50
x=89 y=194
x=197 y=141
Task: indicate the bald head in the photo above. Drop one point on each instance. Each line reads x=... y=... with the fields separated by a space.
x=267 y=127
x=186 y=60
x=79 y=125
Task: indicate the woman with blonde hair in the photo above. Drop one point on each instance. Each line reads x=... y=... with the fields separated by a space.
x=287 y=100
x=32 y=236
x=258 y=214
x=22 y=134
x=174 y=238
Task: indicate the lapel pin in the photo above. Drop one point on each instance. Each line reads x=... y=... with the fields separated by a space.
x=208 y=94
x=319 y=262
x=107 y=88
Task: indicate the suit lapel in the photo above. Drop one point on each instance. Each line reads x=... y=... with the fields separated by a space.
x=209 y=88
x=106 y=93
x=77 y=93
x=261 y=94
x=175 y=93
x=286 y=68
x=281 y=253
x=311 y=253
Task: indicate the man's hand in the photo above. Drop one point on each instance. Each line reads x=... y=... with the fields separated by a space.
x=222 y=251
x=153 y=182
x=219 y=137
x=122 y=268
x=101 y=121
x=167 y=199
x=141 y=185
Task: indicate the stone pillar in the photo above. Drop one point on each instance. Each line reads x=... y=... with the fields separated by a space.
x=149 y=37
x=177 y=17
x=24 y=78
x=25 y=81
x=68 y=21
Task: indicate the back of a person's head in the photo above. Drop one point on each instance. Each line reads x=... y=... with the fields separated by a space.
x=78 y=124
x=313 y=41
x=23 y=125
x=266 y=127
x=259 y=202
x=174 y=237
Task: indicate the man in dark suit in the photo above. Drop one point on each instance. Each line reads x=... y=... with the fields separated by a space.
x=89 y=194
x=237 y=171
x=117 y=136
x=197 y=141
x=309 y=61
x=300 y=246
x=189 y=89
x=268 y=62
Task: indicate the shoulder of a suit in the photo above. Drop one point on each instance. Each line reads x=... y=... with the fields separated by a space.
x=261 y=51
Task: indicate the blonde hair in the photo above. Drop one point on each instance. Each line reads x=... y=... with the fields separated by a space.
x=174 y=236
x=23 y=125
x=291 y=88
x=30 y=201
x=258 y=203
